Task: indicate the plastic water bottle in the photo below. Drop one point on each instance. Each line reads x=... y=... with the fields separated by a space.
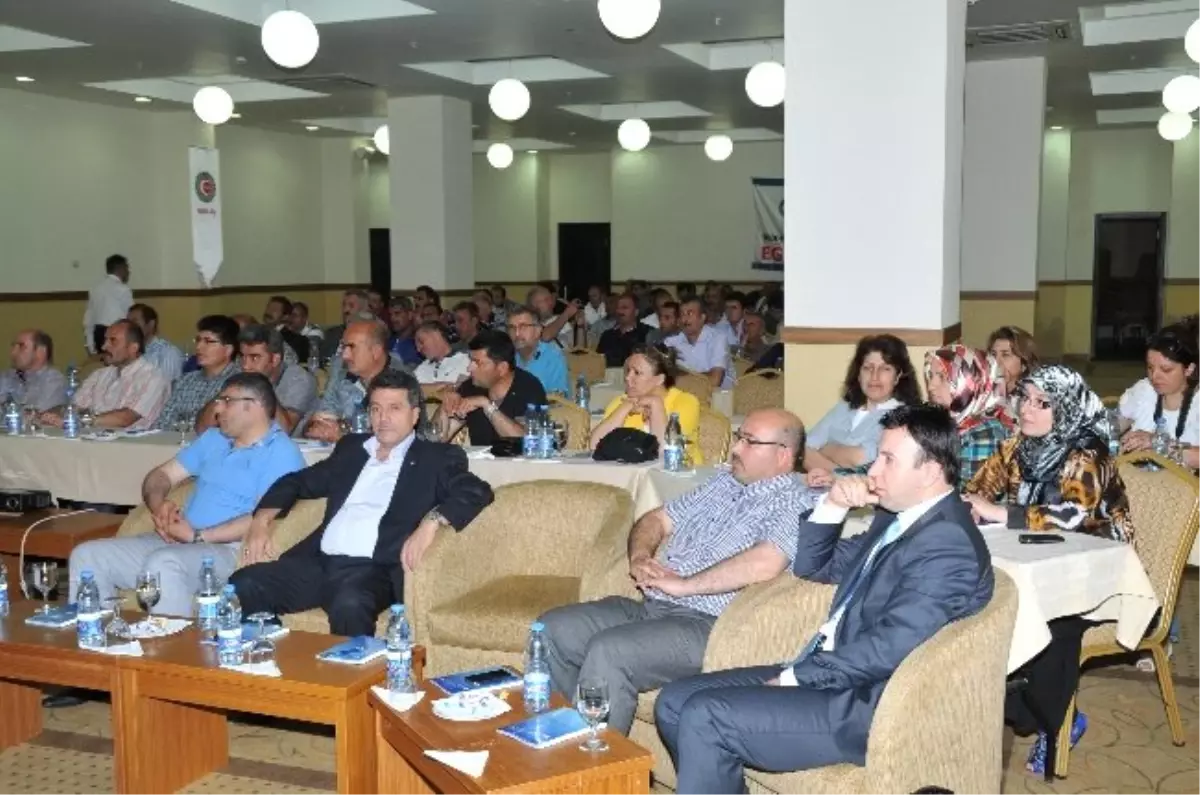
x=87 y=600
x=71 y=422
x=1114 y=436
x=673 y=445
x=583 y=393
x=12 y=416
x=399 y=653
x=229 y=628
x=529 y=443
x=1161 y=443
x=3 y=590
x=314 y=358
x=208 y=597
x=537 y=671
x=546 y=440
x=72 y=382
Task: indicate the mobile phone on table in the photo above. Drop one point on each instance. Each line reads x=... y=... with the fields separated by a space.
x=1040 y=538
x=489 y=678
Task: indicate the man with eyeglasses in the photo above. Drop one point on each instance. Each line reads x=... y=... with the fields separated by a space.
x=192 y=396
x=541 y=359
x=689 y=558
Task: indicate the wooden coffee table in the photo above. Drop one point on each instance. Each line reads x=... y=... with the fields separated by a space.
x=401 y=740
x=54 y=539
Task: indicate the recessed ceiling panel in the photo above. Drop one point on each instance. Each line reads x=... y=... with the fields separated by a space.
x=1133 y=22
x=700 y=136
x=319 y=11
x=719 y=56
x=21 y=40
x=1132 y=81
x=360 y=125
x=1129 y=116
x=528 y=70
x=637 y=110
x=183 y=88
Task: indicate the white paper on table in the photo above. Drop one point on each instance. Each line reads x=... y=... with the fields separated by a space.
x=401 y=702
x=100 y=436
x=268 y=668
x=143 y=432
x=157 y=627
x=470 y=762
x=480 y=453
x=131 y=649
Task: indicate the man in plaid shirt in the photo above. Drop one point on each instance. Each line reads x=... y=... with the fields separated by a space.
x=216 y=353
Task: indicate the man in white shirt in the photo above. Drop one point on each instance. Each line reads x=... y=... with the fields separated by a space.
x=701 y=348
x=732 y=325
x=108 y=302
x=442 y=368
x=595 y=311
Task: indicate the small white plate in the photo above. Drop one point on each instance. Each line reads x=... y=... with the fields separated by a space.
x=472 y=706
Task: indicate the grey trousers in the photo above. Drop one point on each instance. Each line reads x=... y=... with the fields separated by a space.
x=116 y=563
x=633 y=646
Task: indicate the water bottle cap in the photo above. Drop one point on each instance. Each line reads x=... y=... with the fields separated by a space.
x=207 y=560
x=537 y=626
x=397 y=610
x=228 y=589
x=86 y=574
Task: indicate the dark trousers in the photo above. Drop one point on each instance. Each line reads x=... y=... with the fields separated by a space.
x=351 y=591
x=98 y=337
x=715 y=724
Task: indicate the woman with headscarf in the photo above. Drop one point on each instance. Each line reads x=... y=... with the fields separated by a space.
x=966 y=381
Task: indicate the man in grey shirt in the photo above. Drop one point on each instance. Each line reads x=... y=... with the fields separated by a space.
x=261 y=349
x=689 y=558
x=32 y=380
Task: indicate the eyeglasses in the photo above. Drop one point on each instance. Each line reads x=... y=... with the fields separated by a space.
x=227 y=399
x=520 y=326
x=738 y=436
x=1037 y=403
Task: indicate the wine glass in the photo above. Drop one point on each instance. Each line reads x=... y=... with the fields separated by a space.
x=43 y=575
x=263 y=648
x=591 y=700
x=148 y=590
x=32 y=427
x=561 y=436
x=87 y=419
x=118 y=627
x=184 y=422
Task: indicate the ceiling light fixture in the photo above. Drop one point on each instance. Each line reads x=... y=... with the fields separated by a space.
x=24 y=79
x=236 y=116
x=141 y=99
x=311 y=127
x=532 y=151
x=1174 y=126
x=290 y=39
x=633 y=135
x=383 y=139
x=629 y=19
x=1056 y=127
x=765 y=84
x=1182 y=94
x=213 y=105
x=718 y=147
x=500 y=155
x=509 y=99
x=1191 y=42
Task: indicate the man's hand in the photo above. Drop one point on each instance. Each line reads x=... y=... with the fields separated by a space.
x=166 y=513
x=257 y=548
x=985 y=510
x=853 y=491
x=644 y=568
x=572 y=309
x=51 y=419
x=468 y=404
x=180 y=530
x=417 y=544
x=1136 y=440
x=819 y=478
x=671 y=583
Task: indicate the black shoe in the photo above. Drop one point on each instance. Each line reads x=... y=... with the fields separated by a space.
x=68 y=697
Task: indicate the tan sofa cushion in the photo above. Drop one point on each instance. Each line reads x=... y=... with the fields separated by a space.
x=645 y=706
x=498 y=614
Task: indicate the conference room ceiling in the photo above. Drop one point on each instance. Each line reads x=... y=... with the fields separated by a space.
x=163 y=43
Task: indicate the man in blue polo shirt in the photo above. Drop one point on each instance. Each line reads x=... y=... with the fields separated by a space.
x=542 y=359
x=233 y=467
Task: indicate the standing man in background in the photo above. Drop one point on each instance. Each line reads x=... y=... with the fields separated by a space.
x=108 y=302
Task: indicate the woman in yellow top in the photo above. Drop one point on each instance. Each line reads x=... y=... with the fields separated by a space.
x=649 y=401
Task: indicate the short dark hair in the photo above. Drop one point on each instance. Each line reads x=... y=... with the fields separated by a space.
x=147 y=312
x=401 y=302
x=434 y=326
x=469 y=307
x=133 y=333
x=661 y=359
x=682 y=288
x=303 y=307
x=430 y=293
x=259 y=386
x=672 y=305
x=115 y=261
x=934 y=431
x=42 y=340
x=225 y=327
x=894 y=352
x=500 y=289
x=258 y=334
x=740 y=297
x=693 y=300
x=283 y=301
x=497 y=345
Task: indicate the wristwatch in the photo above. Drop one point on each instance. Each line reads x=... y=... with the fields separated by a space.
x=436 y=516
x=197 y=536
x=491 y=408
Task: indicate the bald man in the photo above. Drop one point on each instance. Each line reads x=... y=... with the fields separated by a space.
x=689 y=558
x=364 y=355
x=33 y=380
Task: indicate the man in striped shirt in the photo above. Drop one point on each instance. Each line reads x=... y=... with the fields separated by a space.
x=689 y=558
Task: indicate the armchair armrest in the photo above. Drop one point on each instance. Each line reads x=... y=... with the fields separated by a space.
x=304 y=517
x=767 y=623
x=607 y=569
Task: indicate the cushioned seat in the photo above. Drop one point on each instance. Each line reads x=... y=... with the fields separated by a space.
x=498 y=614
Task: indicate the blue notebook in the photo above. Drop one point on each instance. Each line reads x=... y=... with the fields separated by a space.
x=494 y=677
x=547 y=728
x=59 y=617
x=355 y=651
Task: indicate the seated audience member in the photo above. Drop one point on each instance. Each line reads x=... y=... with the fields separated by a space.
x=771 y=359
x=386 y=494
x=650 y=399
x=403 y=324
x=754 y=343
x=922 y=565
x=376 y=305
x=494 y=398
x=297 y=322
x=619 y=341
x=879 y=379
x=364 y=356
x=425 y=295
x=544 y=360
x=1056 y=474
x=658 y=297
x=33 y=380
x=160 y=353
x=551 y=286
x=467 y=322
x=243 y=321
x=1016 y=353
x=767 y=302
x=233 y=465
x=668 y=323
x=431 y=313
x=689 y=558
x=275 y=315
x=128 y=392
x=443 y=368
x=337 y=365
x=501 y=306
x=701 y=348
x=966 y=381
x=1168 y=392
x=261 y=349
x=594 y=310
x=557 y=327
x=193 y=393
x=714 y=297
x=733 y=323
x=488 y=318
x=597 y=329
x=354 y=301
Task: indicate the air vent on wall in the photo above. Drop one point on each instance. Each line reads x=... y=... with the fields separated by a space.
x=328 y=84
x=1021 y=33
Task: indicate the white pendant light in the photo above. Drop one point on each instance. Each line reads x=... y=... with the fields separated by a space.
x=509 y=99
x=1175 y=126
x=1191 y=42
x=213 y=105
x=629 y=19
x=718 y=147
x=1182 y=94
x=500 y=155
x=383 y=139
x=633 y=135
x=765 y=84
x=290 y=39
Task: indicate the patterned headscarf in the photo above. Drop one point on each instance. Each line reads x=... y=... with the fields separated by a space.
x=1080 y=420
x=976 y=388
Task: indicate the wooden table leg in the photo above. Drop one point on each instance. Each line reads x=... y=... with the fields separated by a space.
x=21 y=708
x=393 y=773
x=161 y=746
x=355 y=739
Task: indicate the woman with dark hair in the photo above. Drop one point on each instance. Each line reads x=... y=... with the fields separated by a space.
x=650 y=399
x=1166 y=394
x=880 y=377
x=966 y=381
x=1016 y=353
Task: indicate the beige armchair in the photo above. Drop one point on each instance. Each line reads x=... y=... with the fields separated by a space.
x=941 y=718
x=541 y=544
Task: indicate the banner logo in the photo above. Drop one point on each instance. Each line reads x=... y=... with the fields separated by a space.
x=768 y=216
x=206 y=187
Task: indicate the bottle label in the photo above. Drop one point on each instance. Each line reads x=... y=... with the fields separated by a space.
x=537 y=687
x=206 y=608
x=88 y=630
x=529 y=445
x=229 y=640
x=673 y=458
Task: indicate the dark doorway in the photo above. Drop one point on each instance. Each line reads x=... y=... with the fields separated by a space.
x=584 y=258
x=1127 y=283
x=380 y=247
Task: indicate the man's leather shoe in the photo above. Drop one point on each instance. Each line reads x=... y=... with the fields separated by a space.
x=68 y=697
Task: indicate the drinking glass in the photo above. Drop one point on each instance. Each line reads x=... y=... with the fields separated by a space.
x=561 y=435
x=263 y=648
x=118 y=627
x=31 y=421
x=148 y=590
x=86 y=420
x=184 y=423
x=43 y=575
x=591 y=699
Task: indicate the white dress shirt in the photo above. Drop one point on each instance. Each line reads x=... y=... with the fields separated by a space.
x=354 y=529
x=451 y=369
x=594 y=314
x=108 y=302
x=708 y=352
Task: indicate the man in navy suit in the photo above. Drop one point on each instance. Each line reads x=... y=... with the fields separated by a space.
x=922 y=565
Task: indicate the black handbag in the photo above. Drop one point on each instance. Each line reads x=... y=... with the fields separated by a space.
x=627 y=446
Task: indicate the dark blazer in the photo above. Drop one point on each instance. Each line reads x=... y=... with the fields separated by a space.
x=940 y=570
x=434 y=476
